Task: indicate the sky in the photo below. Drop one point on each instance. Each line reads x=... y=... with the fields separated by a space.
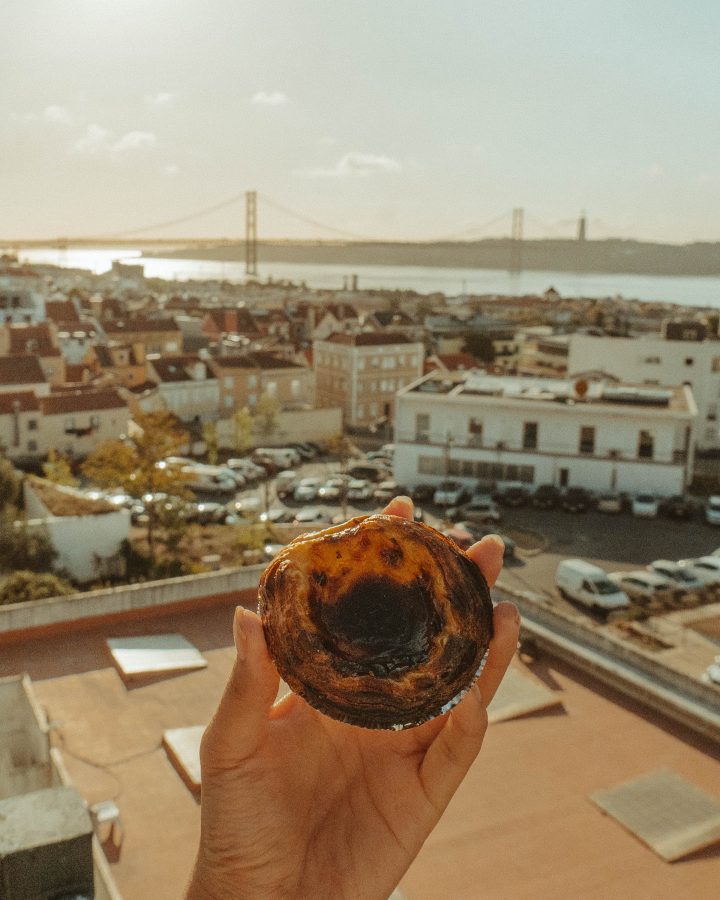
x=398 y=119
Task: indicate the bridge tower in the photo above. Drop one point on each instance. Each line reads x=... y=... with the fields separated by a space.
x=251 y=234
x=516 y=240
x=582 y=227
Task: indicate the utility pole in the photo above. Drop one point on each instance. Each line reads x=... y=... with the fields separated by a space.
x=516 y=238
x=251 y=234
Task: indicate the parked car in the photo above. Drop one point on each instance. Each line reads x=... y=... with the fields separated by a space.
x=706 y=568
x=334 y=488
x=478 y=531
x=246 y=509
x=206 y=513
x=609 y=502
x=585 y=583
x=514 y=495
x=681 y=575
x=207 y=479
x=360 y=489
x=380 y=456
x=386 y=490
x=676 y=507
x=307 y=489
x=282 y=457
x=643 y=586
x=423 y=493
x=645 y=506
x=369 y=471
x=712 y=510
x=251 y=472
x=449 y=493
x=271 y=550
x=278 y=515
x=305 y=451
x=576 y=499
x=312 y=515
x=546 y=496
x=480 y=508
x=712 y=673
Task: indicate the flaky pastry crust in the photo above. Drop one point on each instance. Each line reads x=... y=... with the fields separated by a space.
x=380 y=622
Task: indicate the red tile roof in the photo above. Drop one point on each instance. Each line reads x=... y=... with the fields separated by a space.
x=256 y=360
x=22 y=401
x=21 y=370
x=33 y=339
x=141 y=326
x=232 y=321
x=61 y=311
x=179 y=368
x=81 y=400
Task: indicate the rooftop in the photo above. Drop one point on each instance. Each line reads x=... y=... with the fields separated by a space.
x=138 y=326
x=20 y=401
x=84 y=399
x=21 y=370
x=65 y=501
x=255 y=360
x=570 y=392
x=521 y=825
x=368 y=339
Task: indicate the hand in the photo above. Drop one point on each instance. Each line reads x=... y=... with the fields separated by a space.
x=295 y=804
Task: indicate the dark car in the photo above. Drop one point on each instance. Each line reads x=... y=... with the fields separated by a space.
x=423 y=493
x=514 y=496
x=546 y=496
x=676 y=507
x=576 y=499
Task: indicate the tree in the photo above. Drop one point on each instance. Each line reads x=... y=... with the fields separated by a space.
x=480 y=346
x=242 y=429
x=58 y=470
x=22 y=546
x=23 y=586
x=267 y=415
x=9 y=484
x=137 y=465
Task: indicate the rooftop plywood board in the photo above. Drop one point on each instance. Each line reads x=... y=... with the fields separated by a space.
x=183 y=749
x=520 y=695
x=670 y=815
x=154 y=654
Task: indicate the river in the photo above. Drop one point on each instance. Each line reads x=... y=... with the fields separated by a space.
x=685 y=291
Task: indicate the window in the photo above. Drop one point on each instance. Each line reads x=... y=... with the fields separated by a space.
x=94 y=421
x=530 y=430
x=646 y=444
x=295 y=387
x=587 y=439
x=32 y=446
x=252 y=399
x=360 y=410
x=271 y=388
x=431 y=465
x=229 y=381
x=475 y=429
x=69 y=424
x=422 y=426
x=652 y=360
x=252 y=381
x=716 y=364
x=373 y=410
x=32 y=424
x=689 y=361
x=228 y=401
x=388 y=362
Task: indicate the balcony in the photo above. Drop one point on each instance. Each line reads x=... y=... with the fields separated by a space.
x=449 y=442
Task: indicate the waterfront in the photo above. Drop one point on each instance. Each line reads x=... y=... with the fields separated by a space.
x=685 y=291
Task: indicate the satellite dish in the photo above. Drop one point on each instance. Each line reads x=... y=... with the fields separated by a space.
x=581 y=387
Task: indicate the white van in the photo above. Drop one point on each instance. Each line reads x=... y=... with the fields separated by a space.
x=588 y=584
x=283 y=457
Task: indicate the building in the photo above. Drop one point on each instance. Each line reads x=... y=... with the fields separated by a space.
x=244 y=378
x=187 y=385
x=120 y=363
x=21 y=295
x=158 y=335
x=361 y=373
x=601 y=436
x=76 y=422
x=234 y=322
x=34 y=340
x=542 y=353
x=660 y=361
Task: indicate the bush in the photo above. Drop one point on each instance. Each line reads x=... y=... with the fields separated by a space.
x=22 y=586
x=24 y=548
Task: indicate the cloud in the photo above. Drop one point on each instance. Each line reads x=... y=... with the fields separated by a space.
x=98 y=139
x=270 y=98
x=162 y=98
x=355 y=165
x=170 y=170
x=95 y=139
x=59 y=114
x=134 y=140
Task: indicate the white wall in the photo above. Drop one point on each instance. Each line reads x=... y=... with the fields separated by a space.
x=296 y=425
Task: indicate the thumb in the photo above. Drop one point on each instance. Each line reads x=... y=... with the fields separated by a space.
x=239 y=723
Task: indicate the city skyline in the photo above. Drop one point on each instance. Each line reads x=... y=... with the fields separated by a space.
x=383 y=120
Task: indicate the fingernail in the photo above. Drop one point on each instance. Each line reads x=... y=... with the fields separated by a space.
x=496 y=539
x=403 y=499
x=239 y=632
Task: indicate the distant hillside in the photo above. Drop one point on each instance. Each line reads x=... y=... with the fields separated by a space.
x=610 y=256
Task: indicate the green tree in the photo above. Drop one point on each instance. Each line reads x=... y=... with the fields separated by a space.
x=480 y=346
x=267 y=417
x=23 y=546
x=9 y=484
x=23 y=586
x=137 y=465
x=243 y=429
x=210 y=436
x=58 y=470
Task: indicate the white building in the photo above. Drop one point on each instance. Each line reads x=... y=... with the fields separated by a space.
x=474 y=427
x=659 y=361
